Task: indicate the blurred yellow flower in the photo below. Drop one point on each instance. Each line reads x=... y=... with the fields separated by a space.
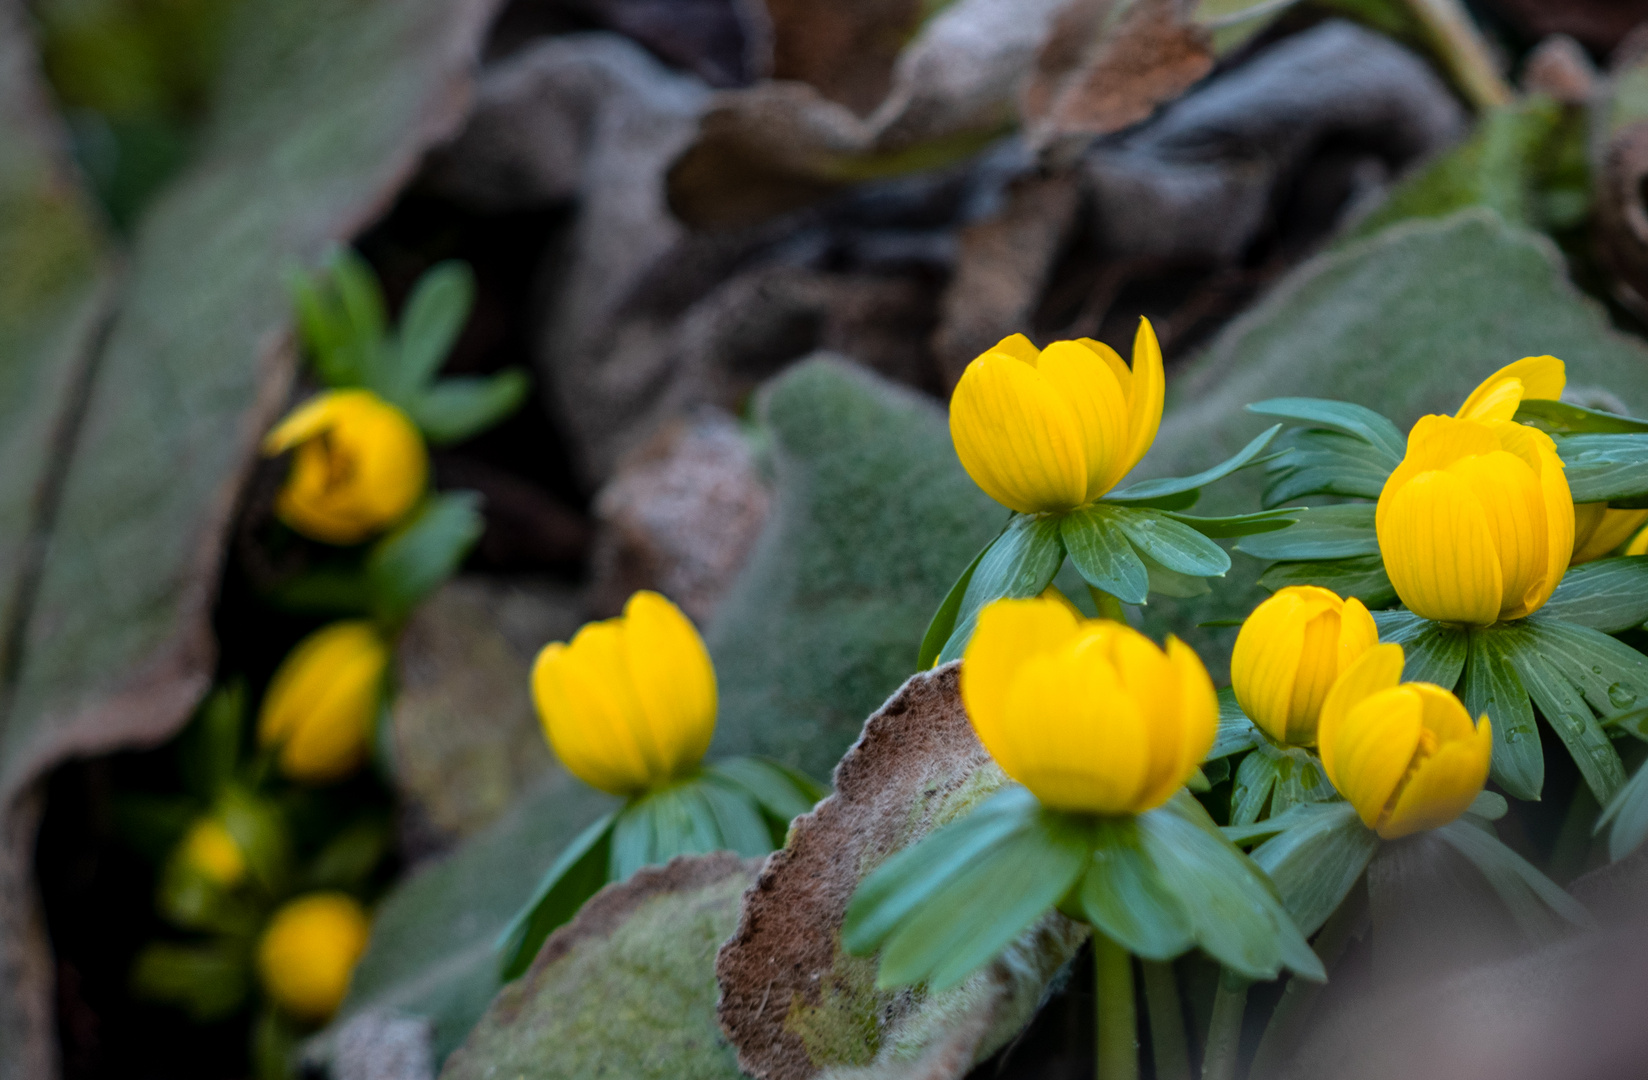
x=1053 y=429
x=1638 y=544
x=360 y=466
x=1598 y=530
x=629 y=704
x=321 y=705
x=308 y=953
x=1476 y=524
x=1532 y=378
x=209 y=849
x=1289 y=652
x=1405 y=755
x=1090 y=715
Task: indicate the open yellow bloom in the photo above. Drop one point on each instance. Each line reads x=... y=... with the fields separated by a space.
x=1532 y=378
x=360 y=466
x=629 y=704
x=209 y=849
x=1290 y=651
x=322 y=702
x=1598 y=530
x=1476 y=523
x=1054 y=429
x=308 y=953
x=1405 y=755
x=1089 y=714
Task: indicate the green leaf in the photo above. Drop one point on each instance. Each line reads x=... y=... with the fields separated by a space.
x=1020 y=563
x=1605 y=468
x=1569 y=671
x=153 y=824
x=1627 y=813
x=323 y=591
x=463 y=406
x=1171 y=583
x=430 y=322
x=1362 y=577
x=260 y=829
x=325 y=330
x=1125 y=898
x=943 y=623
x=1297 y=815
x=1171 y=544
x=1255 y=779
x=210 y=747
x=1538 y=904
x=1434 y=653
x=360 y=299
x=1315 y=864
x=1279 y=778
x=1492 y=686
x=1103 y=555
x=1152 y=491
x=413 y=561
x=1260 y=521
x=1314 y=462
x=738 y=819
x=348 y=859
x=576 y=874
x=1563 y=418
x=781 y=792
x=634 y=841
x=1321 y=533
x=208 y=981
x=1608 y=595
x=1236 y=731
x=1489 y=806
x=1370 y=427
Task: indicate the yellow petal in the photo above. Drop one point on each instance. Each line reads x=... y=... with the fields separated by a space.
x=1198 y=717
x=1357 y=632
x=1264 y=664
x=1531 y=378
x=1086 y=383
x=1444 y=784
x=1146 y=677
x=323 y=700
x=1009 y=633
x=1146 y=395
x=1072 y=736
x=1536 y=448
x=1373 y=746
x=1379 y=668
x=673 y=679
x=1017 y=346
x=1638 y=544
x=306 y=955
x=1017 y=438
x=1513 y=506
x=1439 y=551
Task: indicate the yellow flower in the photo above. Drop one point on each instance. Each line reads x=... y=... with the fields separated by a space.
x=213 y=853
x=322 y=702
x=1598 y=530
x=1476 y=523
x=360 y=466
x=1405 y=755
x=1638 y=544
x=1055 y=429
x=308 y=953
x=629 y=704
x=1087 y=713
x=1532 y=378
x=1288 y=654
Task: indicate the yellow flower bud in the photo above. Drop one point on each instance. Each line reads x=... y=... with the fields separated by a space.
x=1056 y=428
x=209 y=849
x=308 y=953
x=1598 y=530
x=1532 y=378
x=629 y=704
x=1289 y=652
x=322 y=703
x=1089 y=714
x=1476 y=524
x=360 y=466
x=1405 y=755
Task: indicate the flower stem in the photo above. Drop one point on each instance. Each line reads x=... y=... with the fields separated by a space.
x=1224 y=1031
x=1109 y=607
x=1470 y=61
x=1117 y=1051
x=1167 y=1031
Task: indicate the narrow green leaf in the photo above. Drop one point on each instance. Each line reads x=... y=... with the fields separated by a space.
x=781 y=792
x=1315 y=864
x=1318 y=462
x=1489 y=806
x=1492 y=686
x=1103 y=555
x=348 y=859
x=1321 y=533
x=577 y=874
x=1435 y=654
x=1612 y=675
x=325 y=330
x=209 y=981
x=1150 y=490
x=1299 y=778
x=1605 y=468
x=1362 y=577
x=463 y=406
x=416 y=558
x=1172 y=544
x=1020 y=563
x=943 y=623
x=1236 y=731
x=1296 y=816
x=430 y=322
x=1539 y=906
x=1171 y=583
x=1627 y=813
x=738 y=819
x=1399 y=625
x=210 y=747
x=1255 y=779
x=1546 y=676
x=1124 y=897
x=1221 y=528
x=1562 y=418
x=633 y=841
x=1356 y=420
x=1608 y=595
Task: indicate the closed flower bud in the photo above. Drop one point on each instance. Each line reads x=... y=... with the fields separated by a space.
x=1090 y=715
x=1532 y=378
x=359 y=466
x=1476 y=524
x=211 y=852
x=1289 y=652
x=1053 y=429
x=1405 y=755
x=322 y=703
x=629 y=704
x=1598 y=530
x=308 y=953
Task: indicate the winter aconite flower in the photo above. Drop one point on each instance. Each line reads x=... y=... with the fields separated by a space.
x=1290 y=651
x=1476 y=524
x=321 y=705
x=308 y=953
x=1531 y=378
x=210 y=851
x=629 y=704
x=1090 y=715
x=359 y=466
x=1054 y=429
x=1598 y=530
x=1405 y=755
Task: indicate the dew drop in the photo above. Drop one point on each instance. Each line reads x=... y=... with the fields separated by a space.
x=1620 y=696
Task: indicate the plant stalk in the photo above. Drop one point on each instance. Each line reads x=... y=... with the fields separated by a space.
x=1168 y=1041
x=1109 y=607
x=1462 y=48
x=1116 y=1055
x=1224 y=1031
